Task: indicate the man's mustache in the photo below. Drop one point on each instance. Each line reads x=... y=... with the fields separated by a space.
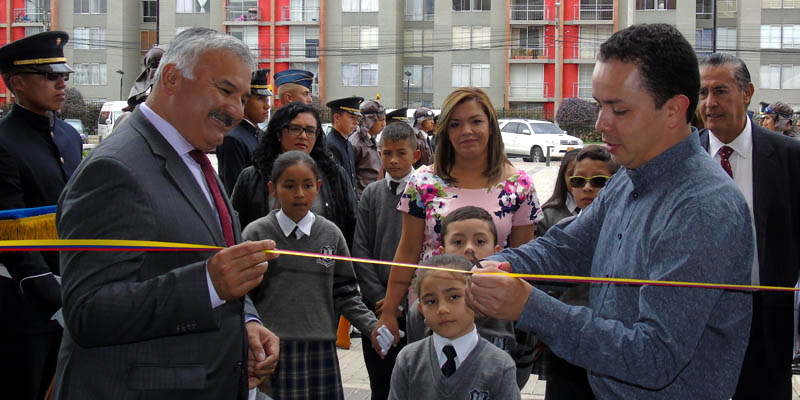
x=226 y=119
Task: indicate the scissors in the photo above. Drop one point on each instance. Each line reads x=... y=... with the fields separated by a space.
x=475 y=261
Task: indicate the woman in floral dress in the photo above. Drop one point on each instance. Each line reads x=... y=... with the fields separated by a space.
x=470 y=168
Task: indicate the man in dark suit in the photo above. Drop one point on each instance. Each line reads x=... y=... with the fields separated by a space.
x=236 y=151
x=766 y=168
x=38 y=154
x=161 y=325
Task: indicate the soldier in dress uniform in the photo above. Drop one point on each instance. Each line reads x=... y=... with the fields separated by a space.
x=366 y=157
x=294 y=85
x=236 y=151
x=38 y=154
x=345 y=114
x=399 y=115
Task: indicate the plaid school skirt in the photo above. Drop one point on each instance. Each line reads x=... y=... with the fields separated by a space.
x=307 y=370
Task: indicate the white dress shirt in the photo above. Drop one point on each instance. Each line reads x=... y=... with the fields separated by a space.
x=403 y=181
x=303 y=227
x=183 y=147
x=463 y=345
x=742 y=167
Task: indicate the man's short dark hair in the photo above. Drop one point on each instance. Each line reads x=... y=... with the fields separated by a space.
x=469 y=212
x=740 y=72
x=667 y=62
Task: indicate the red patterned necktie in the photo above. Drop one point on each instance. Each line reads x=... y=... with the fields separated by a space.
x=222 y=208
x=725 y=153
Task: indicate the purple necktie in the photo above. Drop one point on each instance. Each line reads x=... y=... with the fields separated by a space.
x=222 y=208
x=725 y=153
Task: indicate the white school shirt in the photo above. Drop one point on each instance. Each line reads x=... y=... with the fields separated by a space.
x=303 y=226
x=463 y=345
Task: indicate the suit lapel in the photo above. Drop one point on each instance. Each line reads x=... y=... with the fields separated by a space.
x=765 y=172
x=176 y=170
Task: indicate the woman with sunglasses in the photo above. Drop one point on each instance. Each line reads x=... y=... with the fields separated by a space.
x=593 y=167
x=295 y=126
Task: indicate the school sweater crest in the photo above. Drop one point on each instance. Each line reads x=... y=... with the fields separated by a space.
x=488 y=373
x=300 y=296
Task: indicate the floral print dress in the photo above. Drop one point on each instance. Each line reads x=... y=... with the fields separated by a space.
x=510 y=203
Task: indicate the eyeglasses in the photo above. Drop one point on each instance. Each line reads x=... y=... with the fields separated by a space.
x=597 y=181
x=51 y=76
x=297 y=130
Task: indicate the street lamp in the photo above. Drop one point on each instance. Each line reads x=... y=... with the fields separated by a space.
x=408 y=86
x=121 y=74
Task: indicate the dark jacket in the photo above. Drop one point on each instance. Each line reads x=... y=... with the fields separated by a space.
x=344 y=153
x=37 y=156
x=250 y=199
x=236 y=152
x=776 y=174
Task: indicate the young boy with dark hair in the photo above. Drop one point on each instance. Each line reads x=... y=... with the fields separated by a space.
x=454 y=362
x=470 y=231
x=377 y=235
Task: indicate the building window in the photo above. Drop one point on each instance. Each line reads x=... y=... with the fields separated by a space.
x=360 y=37
x=655 y=4
x=776 y=76
x=359 y=5
x=419 y=10
x=32 y=30
x=149 y=11
x=247 y=34
x=90 y=7
x=92 y=74
x=192 y=6
x=417 y=41
x=359 y=74
x=89 y=38
x=527 y=80
x=591 y=36
x=780 y=3
x=475 y=75
x=148 y=40
x=472 y=5
x=179 y=29
x=421 y=78
x=780 y=36
x=726 y=8
x=471 y=37
x=303 y=41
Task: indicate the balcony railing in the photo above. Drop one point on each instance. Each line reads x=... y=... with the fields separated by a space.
x=586 y=50
x=242 y=13
x=530 y=13
x=29 y=15
x=289 y=50
x=300 y=14
x=582 y=91
x=539 y=90
x=594 y=12
x=529 y=53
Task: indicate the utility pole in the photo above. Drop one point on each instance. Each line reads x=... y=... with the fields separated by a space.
x=408 y=87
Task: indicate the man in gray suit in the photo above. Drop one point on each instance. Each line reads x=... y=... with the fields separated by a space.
x=164 y=324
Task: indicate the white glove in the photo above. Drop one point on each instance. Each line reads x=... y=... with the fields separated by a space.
x=386 y=339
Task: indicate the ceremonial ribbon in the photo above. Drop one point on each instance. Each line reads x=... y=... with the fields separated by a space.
x=139 y=245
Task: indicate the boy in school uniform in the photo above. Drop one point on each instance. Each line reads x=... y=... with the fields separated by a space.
x=470 y=231
x=454 y=362
x=377 y=235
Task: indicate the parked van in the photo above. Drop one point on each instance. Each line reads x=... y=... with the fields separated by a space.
x=108 y=117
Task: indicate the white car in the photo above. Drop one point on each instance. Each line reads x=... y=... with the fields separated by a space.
x=530 y=138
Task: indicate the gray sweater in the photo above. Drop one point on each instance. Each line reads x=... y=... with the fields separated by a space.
x=487 y=373
x=378 y=229
x=299 y=296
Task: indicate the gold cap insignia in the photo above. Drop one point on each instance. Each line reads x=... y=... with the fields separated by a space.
x=58 y=41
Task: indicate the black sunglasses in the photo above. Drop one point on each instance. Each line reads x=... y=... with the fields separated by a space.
x=51 y=76
x=597 y=181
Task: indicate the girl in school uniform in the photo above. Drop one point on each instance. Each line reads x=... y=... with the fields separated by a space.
x=300 y=297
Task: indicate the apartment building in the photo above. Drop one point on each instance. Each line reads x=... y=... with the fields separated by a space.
x=526 y=54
